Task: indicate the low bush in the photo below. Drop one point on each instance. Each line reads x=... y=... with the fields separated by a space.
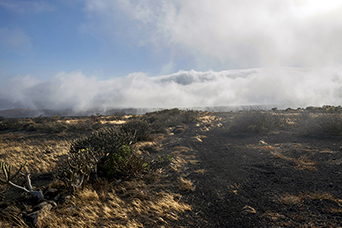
x=105 y=141
x=122 y=164
x=255 y=121
x=160 y=120
x=77 y=168
x=107 y=152
x=139 y=128
x=11 y=123
x=320 y=124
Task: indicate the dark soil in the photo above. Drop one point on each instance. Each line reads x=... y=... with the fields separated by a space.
x=246 y=185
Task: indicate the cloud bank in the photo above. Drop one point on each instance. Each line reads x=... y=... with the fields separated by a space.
x=281 y=87
x=229 y=33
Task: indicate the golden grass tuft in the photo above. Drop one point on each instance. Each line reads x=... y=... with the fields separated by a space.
x=185 y=184
x=120 y=207
x=278 y=150
x=304 y=163
x=201 y=171
x=11 y=218
x=181 y=149
x=273 y=215
x=324 y=196
x=41 y=156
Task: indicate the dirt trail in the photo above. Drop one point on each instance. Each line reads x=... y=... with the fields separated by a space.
x=264 y=180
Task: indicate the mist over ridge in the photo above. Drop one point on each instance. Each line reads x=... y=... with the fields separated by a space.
x=282 y=87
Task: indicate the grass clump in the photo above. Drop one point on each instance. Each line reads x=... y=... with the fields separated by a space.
x=185 y=184
x=255 y=121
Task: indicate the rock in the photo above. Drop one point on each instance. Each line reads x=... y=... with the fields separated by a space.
x=41 y=211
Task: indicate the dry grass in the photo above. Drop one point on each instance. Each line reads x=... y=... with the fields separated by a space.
x=181 y=149
x=273 y=216
x=327 y=196
x=143 y=202
x=11 y=217
x=286 y=152
x=146 y=202
x=201 y=171
x=41 y=155
x=198 y=138
x=291 y=199
x=208 y=121
x=304 y=163
x=185 y=184
x=130 y=204
x=324 y=196
x=234 y=188
x=306 y=201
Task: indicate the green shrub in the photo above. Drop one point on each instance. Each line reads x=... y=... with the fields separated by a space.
x=110 y=148
x=255 y=121
x=76 y=170
x=105 y=141
x=124 y=163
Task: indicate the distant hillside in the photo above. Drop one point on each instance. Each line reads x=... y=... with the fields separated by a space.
x=23 y=113
x=19 y=113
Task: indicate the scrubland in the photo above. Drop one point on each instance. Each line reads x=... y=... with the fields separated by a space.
x=175 y=168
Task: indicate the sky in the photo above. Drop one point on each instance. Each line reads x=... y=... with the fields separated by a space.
x=86 y=54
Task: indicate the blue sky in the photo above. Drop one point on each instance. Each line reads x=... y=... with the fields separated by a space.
x=119 y=42
x=54 y=36
x=52 y=39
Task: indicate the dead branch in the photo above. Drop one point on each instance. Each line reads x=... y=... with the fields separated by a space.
x=6 y=170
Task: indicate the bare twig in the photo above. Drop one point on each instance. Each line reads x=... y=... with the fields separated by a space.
x=6 y=169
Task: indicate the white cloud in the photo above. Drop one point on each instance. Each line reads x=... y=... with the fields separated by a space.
x=235 y=33
x=283 y=87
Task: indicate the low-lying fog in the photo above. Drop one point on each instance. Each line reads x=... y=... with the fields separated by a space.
x=278 y=87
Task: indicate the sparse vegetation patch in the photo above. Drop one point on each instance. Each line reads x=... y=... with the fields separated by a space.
x=172 y=168
x=255 y=121
x=326 y=124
